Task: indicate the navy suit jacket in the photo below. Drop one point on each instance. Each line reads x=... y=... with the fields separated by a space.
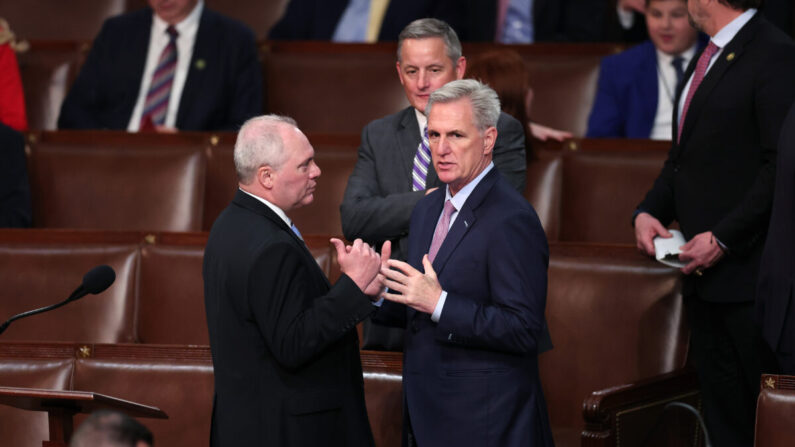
x=222 y=90
x=15 y=208
x=627 y=94
x=472 y=378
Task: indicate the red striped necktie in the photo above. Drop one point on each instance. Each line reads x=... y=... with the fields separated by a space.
x=156 y=104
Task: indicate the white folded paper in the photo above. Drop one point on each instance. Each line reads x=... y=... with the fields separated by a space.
x=666 y=249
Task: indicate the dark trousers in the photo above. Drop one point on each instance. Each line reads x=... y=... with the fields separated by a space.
x=729 y=355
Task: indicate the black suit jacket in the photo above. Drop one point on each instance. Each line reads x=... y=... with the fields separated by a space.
x=284 y=344
x=222 y=90
x=777 y=270
x=719 y=176
x=317 y=19
x=15 y=210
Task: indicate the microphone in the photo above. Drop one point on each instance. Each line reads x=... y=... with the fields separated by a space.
x=95 y=281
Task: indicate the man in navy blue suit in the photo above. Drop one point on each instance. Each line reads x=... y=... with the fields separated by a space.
x=637 y=87
x=473 y=292
x=215 y=82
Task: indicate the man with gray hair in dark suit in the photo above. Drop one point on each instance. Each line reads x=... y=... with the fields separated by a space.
x=393 y=170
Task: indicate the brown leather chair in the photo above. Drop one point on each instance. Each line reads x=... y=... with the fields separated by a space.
x=37 y=275
x=775 y=413
x=615 y=318
x=28 y=428
x=603 y=183
x=383 y=395
x=542 y=190
x=178 y=380
x=117 y=181
x=332 y=88
x=48 y=69
x=171 y=296
x=47 y=19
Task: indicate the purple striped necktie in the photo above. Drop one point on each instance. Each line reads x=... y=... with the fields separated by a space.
x=422 y=159
x=441 y=230
x=156 y=104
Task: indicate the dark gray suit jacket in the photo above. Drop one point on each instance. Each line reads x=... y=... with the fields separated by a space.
x=378 y=199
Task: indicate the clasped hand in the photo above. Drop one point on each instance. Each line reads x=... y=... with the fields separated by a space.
x=419 y=291
x=363 y=264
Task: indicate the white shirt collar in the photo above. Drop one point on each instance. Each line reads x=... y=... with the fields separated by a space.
x=461 y=196
x=664 y=59
x=273 y=207
x=727 y=33
x=188 y=25
x=422 y=121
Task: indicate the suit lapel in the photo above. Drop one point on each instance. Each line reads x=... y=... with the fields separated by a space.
x=135 y=65
x=206 y=39
x=728 y=56
x=408 y=139
x=246 y=201
x=464 y=221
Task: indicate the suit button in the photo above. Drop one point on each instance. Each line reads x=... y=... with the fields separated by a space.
x=414 y=326
x=676 y=168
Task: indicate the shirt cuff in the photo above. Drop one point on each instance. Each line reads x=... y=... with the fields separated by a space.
x=437 y=311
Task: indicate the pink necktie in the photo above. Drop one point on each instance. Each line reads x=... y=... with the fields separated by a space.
x=698 y=76
x=441 y=230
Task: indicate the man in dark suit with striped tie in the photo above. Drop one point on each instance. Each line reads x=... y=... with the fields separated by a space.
x=385 y=184
x=173 y=66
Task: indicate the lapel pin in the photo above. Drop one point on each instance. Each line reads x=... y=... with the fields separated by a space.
x=730 y=57
x=200 y=64
x=466 y=224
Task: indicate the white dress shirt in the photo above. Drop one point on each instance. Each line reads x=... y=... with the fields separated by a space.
x=158 y=39
x=666 y=89
x=458 y=201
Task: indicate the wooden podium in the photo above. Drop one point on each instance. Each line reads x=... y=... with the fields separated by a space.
x=61 y=406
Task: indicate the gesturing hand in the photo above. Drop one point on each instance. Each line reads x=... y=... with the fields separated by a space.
x=376 y=286
x=359 y=261
x=420 y=291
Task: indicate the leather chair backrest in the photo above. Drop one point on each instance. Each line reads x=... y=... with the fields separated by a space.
x=35 y=276
x=171 y=296
x=181 y=387
x=331 y=88
x=117 y=186
x=601 y=190
x=46 y=19
x=383 y=395
x=775 y=412
x=614 y=317
x=542 y=190
x=22 y=427
x=47 y=70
